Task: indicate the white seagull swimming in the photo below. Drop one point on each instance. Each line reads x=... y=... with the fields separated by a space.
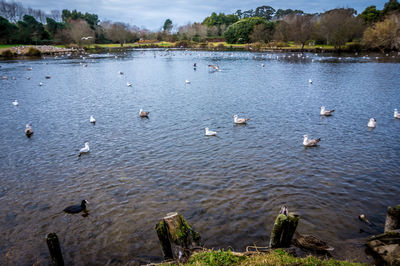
x=396 y=114
x=120 y=72
x=129 y=84
x=84 y=149
x=326 y=112
x=240 y=120
x=15 y=103
x=310 y=142
x=310 y=80
x=372 y=123
x=209 y=132
x=92 y=120
x=40 y=83
x=187 y=81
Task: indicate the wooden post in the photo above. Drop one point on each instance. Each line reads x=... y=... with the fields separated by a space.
x=176 y=237
x=392 y=218
x=284 y=228
x=54 y=249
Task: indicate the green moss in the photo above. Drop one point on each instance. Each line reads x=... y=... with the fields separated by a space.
x=219 y=257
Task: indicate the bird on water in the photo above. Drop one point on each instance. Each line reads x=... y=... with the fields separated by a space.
x=76 y=208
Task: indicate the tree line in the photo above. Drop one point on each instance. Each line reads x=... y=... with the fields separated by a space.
x=373 y=28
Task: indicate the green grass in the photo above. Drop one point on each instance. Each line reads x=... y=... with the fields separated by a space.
x=275 y=257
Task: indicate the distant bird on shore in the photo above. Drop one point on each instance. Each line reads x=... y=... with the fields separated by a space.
x=396 y=114
x=310 y=142
x=28 y=130
x=76 y=208
x=143 y=113
x=372 y=123
x=240 y=120
x=209 y=132
x=326 y=112
x=310 y=81
x=92 y=120
x=129 y=84
x=15 y=103
x=84 y=149
x=86 y=38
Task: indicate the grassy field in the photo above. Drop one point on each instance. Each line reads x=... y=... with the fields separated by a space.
x=276 y=257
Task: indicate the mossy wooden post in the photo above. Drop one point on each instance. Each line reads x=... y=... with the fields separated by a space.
x=176 y=236
x=284 y=228
x=392 y=218
x=55 y=250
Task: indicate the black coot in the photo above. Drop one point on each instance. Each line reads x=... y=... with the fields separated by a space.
x=76 y=208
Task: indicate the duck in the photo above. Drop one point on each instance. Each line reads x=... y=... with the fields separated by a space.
x=15 y=103
x=28 y=130
x=326 y=112
x=92 y=120
x=310 y=142
x=187 y=81
x=209 y=132
x=310 y=81
x=143 y=113
x=396 y=114
x=312 y=243
x=76 y=208
x=372 y=123
x=48 y=77
x=240 y=120
x=84 y=149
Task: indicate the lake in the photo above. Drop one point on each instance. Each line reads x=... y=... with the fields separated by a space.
x=229 y=187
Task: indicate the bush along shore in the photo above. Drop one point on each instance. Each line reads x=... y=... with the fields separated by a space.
x=181 y=244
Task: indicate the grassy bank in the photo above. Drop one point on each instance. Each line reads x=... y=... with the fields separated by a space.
x=275 y=257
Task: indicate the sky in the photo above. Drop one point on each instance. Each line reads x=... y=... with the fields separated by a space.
x=151 y=14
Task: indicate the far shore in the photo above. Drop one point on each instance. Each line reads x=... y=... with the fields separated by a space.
x=12 y=51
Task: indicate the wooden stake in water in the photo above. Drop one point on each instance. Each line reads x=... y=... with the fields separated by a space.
x=392 y=218
x=284 y=228
x=54 y=249
x=176 y=236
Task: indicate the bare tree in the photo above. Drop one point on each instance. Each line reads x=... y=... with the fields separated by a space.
x=301 y=27
x=262 y=33
x=80 y=31
x=56 y=15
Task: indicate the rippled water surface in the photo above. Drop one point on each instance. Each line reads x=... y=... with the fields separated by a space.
x=229 y=187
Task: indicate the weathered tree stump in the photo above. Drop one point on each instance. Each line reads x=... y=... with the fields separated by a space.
x=55 y=250
x=176 y=236
x=284 y=228
x=386 y=247
x=392 y=218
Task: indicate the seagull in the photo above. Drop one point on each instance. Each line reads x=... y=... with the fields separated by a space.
x=84 y=149
x=326 y=112
x=86 y=38
x=372 y=123
x=187 y=81
x=92 y=120
x=143 y=113
x=310 y=80
x=29 y=68
x=129 y=84
x=28 y=78
x=262 y=65
x=28 y=130
x=15 y=103
x=396 y=114
x=210 y=133
x=310 y=142
x=4 y=77
x=120 y=72
x=84 y=65
x=240 y=120
x=40 y=83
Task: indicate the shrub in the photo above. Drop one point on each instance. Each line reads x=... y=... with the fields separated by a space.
x=7 y=53
x=33 y=52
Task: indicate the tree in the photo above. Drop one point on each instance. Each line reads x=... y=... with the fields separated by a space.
x=262 y=32
x=384 y=35
x=370 y=15
x=52 y=26
x=78 y=29
x=221 y=21
x=167 y=25
x=240 y=31
x=264 y=12
x=119 y=32
x=301 y=28
x=280 y=13
x=195 y=32
x=339 y=26
x=281 y=31
x=390 y=6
